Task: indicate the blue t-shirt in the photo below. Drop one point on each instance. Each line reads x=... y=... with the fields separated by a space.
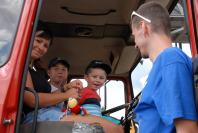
x=168 y=93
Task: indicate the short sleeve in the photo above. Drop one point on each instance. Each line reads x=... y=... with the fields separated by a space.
x=174 y=98
x=39 y=82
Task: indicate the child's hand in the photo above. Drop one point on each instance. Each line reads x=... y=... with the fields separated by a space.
x=77 y=84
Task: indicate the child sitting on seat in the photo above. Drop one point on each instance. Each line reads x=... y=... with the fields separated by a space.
x=95 y=75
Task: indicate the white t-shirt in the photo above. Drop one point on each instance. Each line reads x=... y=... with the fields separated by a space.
x=53 y=88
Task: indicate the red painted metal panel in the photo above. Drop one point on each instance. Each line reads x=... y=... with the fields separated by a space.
x=196 y=14
x=11 y=73
x=191 y=28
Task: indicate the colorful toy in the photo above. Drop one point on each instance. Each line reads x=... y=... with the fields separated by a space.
x=75 y=108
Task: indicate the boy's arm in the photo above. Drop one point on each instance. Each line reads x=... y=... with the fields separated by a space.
x=185 y=126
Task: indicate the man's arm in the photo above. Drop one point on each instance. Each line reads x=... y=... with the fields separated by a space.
x=186 y=126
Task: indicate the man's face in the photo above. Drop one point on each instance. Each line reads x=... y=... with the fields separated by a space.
x=58 y=73
x=141 y=41
x=96 y=78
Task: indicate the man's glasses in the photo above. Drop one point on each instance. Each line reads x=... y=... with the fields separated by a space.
x=142 y=17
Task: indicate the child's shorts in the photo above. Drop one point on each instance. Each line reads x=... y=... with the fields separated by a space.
x=52 y=113
x=93 y=109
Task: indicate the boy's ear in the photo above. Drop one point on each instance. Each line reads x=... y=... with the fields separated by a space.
x=48 y=72
x=145 y=28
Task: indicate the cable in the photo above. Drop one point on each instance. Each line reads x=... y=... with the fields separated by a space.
x=34 y=123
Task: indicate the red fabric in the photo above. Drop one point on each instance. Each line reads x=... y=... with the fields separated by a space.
x=88 y=93
x=63 y=110
x=76 y=109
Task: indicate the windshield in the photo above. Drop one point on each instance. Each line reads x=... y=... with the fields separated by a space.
x=10 y=12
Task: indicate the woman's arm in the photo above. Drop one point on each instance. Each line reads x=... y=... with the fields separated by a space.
x=76 y=84
x=46 y=99
x=49 y=99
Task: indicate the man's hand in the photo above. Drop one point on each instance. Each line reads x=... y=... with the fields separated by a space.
x=186 y=126
x=77 y=84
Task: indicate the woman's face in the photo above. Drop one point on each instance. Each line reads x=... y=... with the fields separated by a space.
x=40 y=46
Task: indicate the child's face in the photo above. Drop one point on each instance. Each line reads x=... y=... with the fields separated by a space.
x=58 y=73
x=96 y=78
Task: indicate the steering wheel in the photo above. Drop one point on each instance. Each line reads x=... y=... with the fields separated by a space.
x=115 y=109
x=129 y=106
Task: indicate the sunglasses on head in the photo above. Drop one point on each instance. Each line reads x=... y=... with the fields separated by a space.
x=142 y=17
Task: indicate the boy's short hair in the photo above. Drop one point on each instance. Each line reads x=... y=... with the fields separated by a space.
x=159 y=16
x=98 y=64
x=46 y=32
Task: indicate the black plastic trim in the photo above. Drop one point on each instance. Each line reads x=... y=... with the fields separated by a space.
x=107 y=12
x=20 y=106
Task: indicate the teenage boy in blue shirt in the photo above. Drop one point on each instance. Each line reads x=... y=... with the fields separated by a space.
x=167 y=102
